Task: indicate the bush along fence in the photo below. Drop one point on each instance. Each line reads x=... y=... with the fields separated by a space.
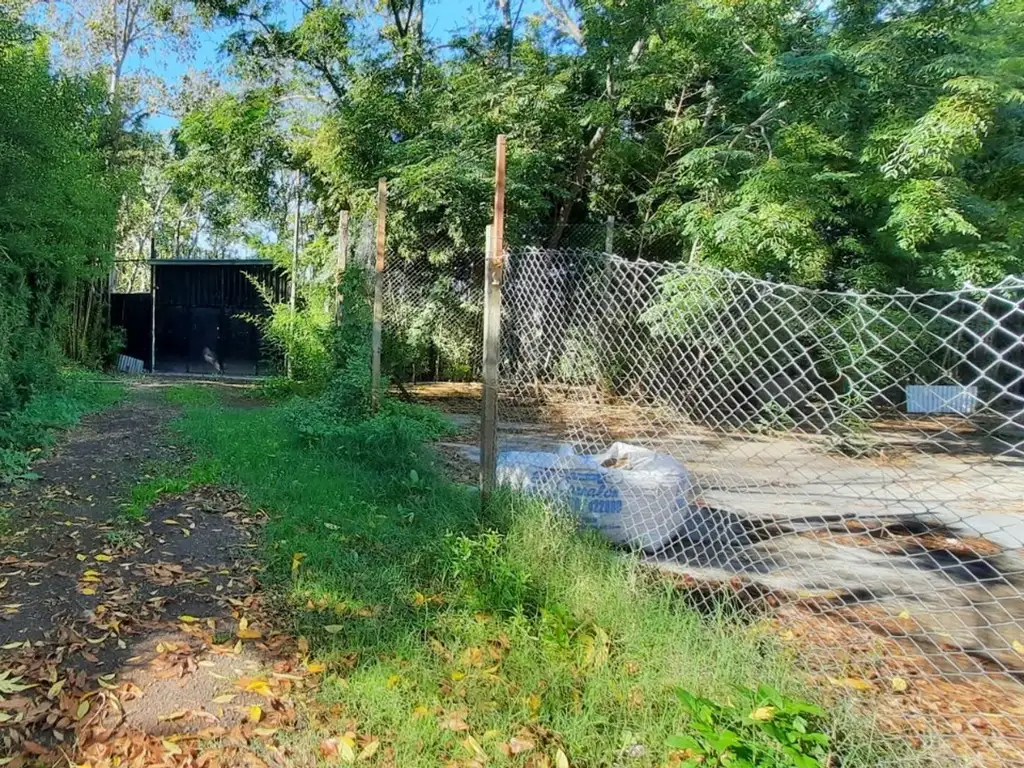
x=846 y=467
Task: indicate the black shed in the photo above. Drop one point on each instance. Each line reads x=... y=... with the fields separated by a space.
x=192 y=319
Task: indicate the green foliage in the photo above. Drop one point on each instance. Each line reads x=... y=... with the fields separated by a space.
x=303 y=337
x=487 y=577
x=58 y=204
x=24 y=432
x=227 y=154
x=515 y=621
x=851 y=145
x=763 y=730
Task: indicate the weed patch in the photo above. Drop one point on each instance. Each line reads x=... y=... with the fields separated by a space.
x=145 y=494
x=28 y=430
x=453 y=636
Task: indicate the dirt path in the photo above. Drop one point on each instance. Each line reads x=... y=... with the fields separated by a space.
x=141 y=642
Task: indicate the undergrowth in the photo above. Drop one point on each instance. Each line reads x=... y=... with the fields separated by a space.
x=455 y=636
x=28 y=430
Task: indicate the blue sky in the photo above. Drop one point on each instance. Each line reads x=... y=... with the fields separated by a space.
x=443 y=17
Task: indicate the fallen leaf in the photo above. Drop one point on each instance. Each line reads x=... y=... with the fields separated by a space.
x=171 y=747
x=763 y=714
x=517 y=745
x=249 y=634
x=333 y=628
x=473 y=746
x=226 y=698
x=533 y=702
x=561 y=761
x=346 y=749
x=455 y=722
x=369 y=751
x=255 y=713
x=103 y=558
x=297 y=559
x=10 y=684
x=1018 y=646
x=83 y=709
x=857 y=683
x=170 y=716
x=899 y=685
x=188 y=619
x=80 y=557
x=595 y=648
x=261 y=687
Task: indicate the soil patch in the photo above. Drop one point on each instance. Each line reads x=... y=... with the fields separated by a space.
x=143 y=643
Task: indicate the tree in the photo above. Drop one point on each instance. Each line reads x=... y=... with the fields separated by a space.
x=58 y=204
x=866 y=144
x=107 y=34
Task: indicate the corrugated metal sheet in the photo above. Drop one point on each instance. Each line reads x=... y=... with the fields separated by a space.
x=935 y=398
x=204 y=284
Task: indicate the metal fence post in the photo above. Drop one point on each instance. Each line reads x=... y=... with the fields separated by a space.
x=292 y=301
x=152 y=316
x=493 y=275
x=609 y=235
x=378 y=288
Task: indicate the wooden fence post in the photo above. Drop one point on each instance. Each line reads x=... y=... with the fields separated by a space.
x=609 y=235
x=339 y=268
x=378 y=288
x=494 y=268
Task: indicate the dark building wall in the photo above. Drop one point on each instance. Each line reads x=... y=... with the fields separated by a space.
x=184 y=284
x=133 y=313
x=199 y=323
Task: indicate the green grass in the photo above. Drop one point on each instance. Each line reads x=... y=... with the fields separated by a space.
x=28 y=431
x=164 y=481
x=191 y=395
x=436 y=623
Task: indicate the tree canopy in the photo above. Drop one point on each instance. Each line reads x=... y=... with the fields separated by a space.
x=59 y=192
x=854 y=144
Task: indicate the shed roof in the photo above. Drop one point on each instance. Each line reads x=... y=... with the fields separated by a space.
x=211 y=262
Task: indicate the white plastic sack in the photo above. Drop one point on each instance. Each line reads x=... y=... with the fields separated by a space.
x=632 y=495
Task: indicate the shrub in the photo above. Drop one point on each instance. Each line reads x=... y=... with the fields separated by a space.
x=763 y=730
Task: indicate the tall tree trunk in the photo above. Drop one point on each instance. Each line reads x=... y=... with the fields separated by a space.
x=576 y=184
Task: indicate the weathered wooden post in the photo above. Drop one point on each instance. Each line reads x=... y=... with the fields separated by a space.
x=378 y=287
x=494 y=268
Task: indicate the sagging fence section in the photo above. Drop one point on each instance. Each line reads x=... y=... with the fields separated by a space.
x=847 y=466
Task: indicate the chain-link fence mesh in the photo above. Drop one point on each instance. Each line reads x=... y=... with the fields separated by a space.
x=848 y=466
x=432 y=311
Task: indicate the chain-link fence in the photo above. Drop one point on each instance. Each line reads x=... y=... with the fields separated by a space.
x=848 y=466
x=432 y=312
